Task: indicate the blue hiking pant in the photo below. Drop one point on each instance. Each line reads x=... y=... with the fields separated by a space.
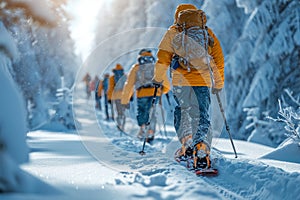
x=191 y=115
x=106 y=106
x=144 y=105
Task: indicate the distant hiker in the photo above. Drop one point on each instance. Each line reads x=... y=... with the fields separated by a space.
x=116 y=84
x=101 y=90
x=93 y=84
x=140 y=80
x=196 y=58
x=87 y=79
x=98 y=93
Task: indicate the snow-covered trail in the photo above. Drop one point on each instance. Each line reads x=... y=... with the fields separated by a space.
x=104 y=165
x=246 y=177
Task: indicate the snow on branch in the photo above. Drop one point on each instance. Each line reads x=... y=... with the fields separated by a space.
x=252 y=116
x=290 y=95
x=41 y=10
x=290 y=116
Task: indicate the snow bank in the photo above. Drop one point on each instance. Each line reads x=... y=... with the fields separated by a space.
x=256 y=180
x=289 y=151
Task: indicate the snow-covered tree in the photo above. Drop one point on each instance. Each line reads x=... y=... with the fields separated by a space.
x=21 y=61
x=46 y=51
x=258 y=122
x=264 y=61
x=13 y=148
x=225 y=19
x=62 y=111
x=289 y=115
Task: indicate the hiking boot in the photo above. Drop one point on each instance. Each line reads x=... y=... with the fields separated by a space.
x=141 y=133
x=150 y=136
x=186 y=151
x=201 y=156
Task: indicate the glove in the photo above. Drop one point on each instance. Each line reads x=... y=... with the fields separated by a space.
x=215 y=90
x=156 y=83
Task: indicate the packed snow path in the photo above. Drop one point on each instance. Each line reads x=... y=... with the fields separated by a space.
x=246 y=177
x=88 y=164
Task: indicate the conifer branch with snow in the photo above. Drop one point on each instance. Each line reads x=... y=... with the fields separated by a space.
x=290 y=116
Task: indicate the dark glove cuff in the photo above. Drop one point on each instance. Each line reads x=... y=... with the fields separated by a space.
x=156 y=83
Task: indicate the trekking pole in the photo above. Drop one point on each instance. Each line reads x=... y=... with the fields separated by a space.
x=221 y=106
x=163 y=116
x=225 y=121
x=142 y=152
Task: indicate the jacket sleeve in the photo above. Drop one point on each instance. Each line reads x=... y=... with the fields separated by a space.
x=128 y=88
x=164 y=58
x=111 y=86
x=100 y=88
x=218 y=61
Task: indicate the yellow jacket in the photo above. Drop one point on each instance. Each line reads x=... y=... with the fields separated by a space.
x=113 y=94
x=100 y=88
x=129 y=89
x=181 y=77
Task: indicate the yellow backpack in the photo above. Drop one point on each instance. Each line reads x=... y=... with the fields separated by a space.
x=192 y=43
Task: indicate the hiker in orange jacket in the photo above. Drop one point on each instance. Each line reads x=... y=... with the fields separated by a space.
x=101 y=90
x=116 y=83
x=140 y=80
x=192 y=78
x=93 y=85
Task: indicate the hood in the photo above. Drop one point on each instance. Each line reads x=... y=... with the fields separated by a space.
x=118 y=67
x=145 y=52
x=182 y=7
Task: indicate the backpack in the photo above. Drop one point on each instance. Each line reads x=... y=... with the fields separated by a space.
x=192 y=42
x=144 y=76
x=119 y=79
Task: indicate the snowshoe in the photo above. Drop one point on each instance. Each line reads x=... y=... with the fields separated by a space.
x=202 y=162
x=185 y=152
x=206 y=172
x=184 y=159
x=150 y=136
x=150 y=140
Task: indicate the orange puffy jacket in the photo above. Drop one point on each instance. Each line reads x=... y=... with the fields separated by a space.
x=99 y=89
x=180 y=76
x=113 y=94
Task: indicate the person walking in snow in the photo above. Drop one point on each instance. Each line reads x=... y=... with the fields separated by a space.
x=140 y=80
x=101 y=90
x=87 y=79
x=116 y=83
x=98 y=94
x=195 y=55
x=93 y=85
